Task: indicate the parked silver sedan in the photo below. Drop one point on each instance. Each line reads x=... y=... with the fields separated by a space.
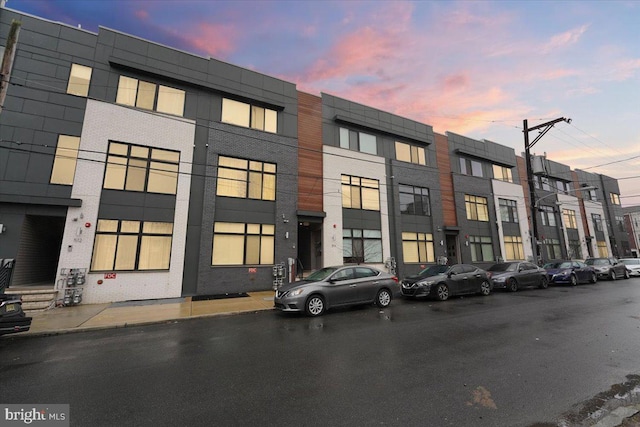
x=337 y=286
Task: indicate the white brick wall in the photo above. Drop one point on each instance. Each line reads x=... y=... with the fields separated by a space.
x=510 y=191
x=591 y=207
x=104 y=122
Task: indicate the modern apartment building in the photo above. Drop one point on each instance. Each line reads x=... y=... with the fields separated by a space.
x=164 y=174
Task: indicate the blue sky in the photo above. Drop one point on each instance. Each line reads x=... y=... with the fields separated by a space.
x=476 y=68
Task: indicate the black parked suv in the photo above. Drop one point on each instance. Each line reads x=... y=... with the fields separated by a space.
x=608 y=268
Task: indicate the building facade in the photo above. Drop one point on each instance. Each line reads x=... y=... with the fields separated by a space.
x=164 y=174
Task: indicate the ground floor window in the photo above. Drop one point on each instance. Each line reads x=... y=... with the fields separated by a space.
x=513 y=248
x=361 y=245
x=603 y=252
x=554 y=251
x=418 y=247
x=122 y=245
x=575 y=249
x=481 y=248
x=236 y=243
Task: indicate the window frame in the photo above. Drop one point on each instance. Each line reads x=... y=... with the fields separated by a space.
x=508 y=210
x=77 y=82
x=481 y=245
x=264 y=238
x=423 y=247
x=569 y=219
x=548 y=215
x=356 y=239
x=471 y=167
x=250 y=172
x=477 y=208
x=352 y=140
x=417 y=193
x=352 y=190
x=502 y=173
x=138 y=97
x=417 y=155
x=513 y=246
x=257 y=117
x=63 y=159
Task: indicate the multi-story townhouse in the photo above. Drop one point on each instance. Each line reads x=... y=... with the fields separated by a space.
x=632 y=225
x=491 y=211
x=159 y=172
x=380 y=180
x=607 y=194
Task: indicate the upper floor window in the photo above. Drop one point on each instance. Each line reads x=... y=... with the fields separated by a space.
x=249 y=116
x=615 y=198
x=79 y=79
x=569 y=217
x=246 y=179
x=597 y=222
x=64 y=163
x=502 y=173
x=590 y=195
x=548 y=216
x=508 y=210
x=410 y=153
x=470 y=167
x=360 y=193
x=542 y=182
x=150 y=96
x=358 y=141
x=414 y=200
x=137 y=168
x=620 y=223
x=131 y=245
x=476 y=208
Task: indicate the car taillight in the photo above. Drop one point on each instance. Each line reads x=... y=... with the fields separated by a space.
x=395 y=279
x=489 y=274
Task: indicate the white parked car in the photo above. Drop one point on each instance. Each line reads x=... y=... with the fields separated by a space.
x=632 y=264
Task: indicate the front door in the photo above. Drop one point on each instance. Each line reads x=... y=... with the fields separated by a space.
x=452 y=248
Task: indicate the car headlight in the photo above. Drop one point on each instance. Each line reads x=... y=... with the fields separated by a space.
x=499 y=279
x=426 y=283
x=295 y=292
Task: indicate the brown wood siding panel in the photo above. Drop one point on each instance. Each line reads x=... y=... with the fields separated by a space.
x=310 y=188
x=446 y=181
x=522 y=172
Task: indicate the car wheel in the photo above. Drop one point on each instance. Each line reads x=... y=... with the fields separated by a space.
x=314 y=305
x=485 y=288
x=513 y=285
x=544 y=283
x=626 y=273
x=383 y=299
x=574 y=280
x=442 y=292
x=612 y=275
x=593 y=278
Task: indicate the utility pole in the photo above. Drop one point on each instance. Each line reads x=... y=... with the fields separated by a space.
x=6 y=62
x=532 y=192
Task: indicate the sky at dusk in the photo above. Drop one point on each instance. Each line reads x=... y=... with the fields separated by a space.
x=475 y=68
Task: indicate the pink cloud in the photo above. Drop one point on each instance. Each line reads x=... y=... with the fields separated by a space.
x=214 y=39
x=141 y=14
x=565 y=39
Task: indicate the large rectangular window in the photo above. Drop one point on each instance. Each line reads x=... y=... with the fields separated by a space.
x=79 y=79
x=569 y=217
x=470 y=167
x=603 y=251
x=360 y=193
x=508 y=210
x=502 y=173
x=575 y=249
x=141 y=94
x=553 y=248
x=597 y=222
x=548 y=215
x=481 y=248
x=122 y=245
x=138 y=168
x=64 y=163
x=418 y=247
x=358 y=141
x=247 y=179
x=513 y=248
x=414 y=200
x=360 y=246
x=615 y=198
x=477 y=209
x=249 y=116
x=410 y=153
x=237 y=243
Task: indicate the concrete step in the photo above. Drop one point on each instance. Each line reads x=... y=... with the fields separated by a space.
x=35 y=300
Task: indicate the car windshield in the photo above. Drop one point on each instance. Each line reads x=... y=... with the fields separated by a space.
x=434 y=270
x=596 y=262
x=508 y=266
x=557 y=265
x=321 y=274
x=630 y=261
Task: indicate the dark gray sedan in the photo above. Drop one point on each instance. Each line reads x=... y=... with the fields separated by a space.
x=457 y=279
x=337 y=286
x=516 y=275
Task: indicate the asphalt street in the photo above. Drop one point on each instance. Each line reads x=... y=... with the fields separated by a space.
x=534 y=356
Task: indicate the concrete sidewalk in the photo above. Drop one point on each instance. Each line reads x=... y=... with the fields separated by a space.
x=118 y=315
